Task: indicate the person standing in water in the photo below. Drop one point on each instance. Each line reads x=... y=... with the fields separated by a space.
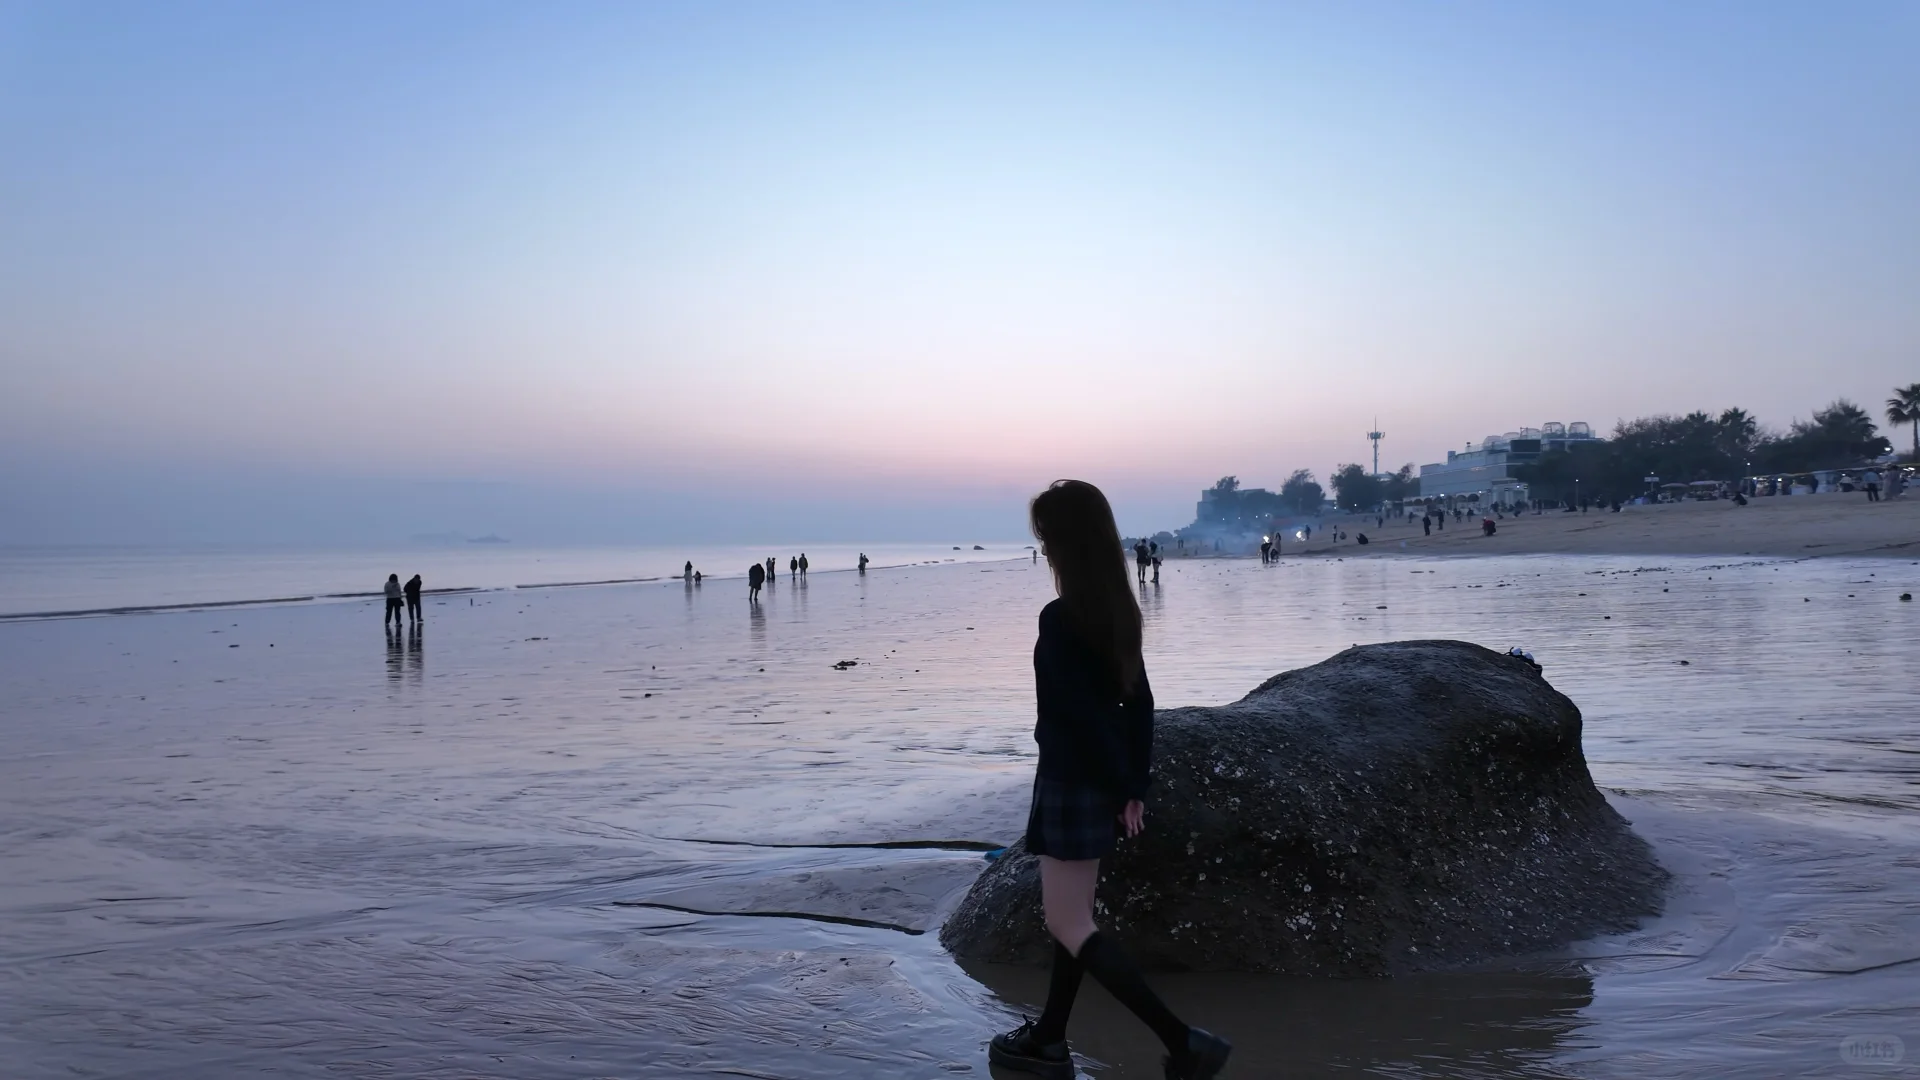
x=863 y=562
x=1095 y=733
x=803 y=564
x=773 y=571
x=393 y=601
x=793 y=566
x=755 y=575
x=1139 y=560
x=412 y=591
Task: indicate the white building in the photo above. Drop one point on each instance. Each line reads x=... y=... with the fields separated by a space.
x=1486 y=468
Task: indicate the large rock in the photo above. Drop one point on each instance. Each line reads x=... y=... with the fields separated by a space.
x=1398 y=807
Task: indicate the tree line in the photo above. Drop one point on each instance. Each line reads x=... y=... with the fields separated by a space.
x=1354 y=488
x=1726 y=447
x=1677 y=449
x=1227 y=503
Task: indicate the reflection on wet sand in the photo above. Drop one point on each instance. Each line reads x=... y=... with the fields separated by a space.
x=406 y=653
x=225 y=861
x=1473 y=1025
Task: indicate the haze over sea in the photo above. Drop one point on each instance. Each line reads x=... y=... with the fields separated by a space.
x=514 y=843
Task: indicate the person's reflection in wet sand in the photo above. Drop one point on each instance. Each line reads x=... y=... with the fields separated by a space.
x=1497 y=1024
x=416 y=652
x=395 y=652
x=757 y=622
x=1150 y=600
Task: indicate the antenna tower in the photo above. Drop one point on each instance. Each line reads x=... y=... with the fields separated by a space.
x=1375 y=436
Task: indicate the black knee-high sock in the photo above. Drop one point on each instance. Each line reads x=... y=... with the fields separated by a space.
x=1061 y=990
x=1106 y=961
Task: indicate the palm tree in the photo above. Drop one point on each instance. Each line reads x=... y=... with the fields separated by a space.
x=1845 y=420
x=1904 y=408
x=1738 y=431
x=1739 y=426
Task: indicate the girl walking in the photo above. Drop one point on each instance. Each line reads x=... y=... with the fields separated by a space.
x=1096 y=742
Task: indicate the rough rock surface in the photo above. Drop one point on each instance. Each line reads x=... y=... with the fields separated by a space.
x=1398 y=807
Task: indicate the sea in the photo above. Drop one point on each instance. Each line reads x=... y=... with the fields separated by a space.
x=654 y=829
x=42 y=581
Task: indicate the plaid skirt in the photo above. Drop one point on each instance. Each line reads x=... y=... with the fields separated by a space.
x=1069 y=821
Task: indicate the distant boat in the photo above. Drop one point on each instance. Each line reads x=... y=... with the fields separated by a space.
x=489 y=539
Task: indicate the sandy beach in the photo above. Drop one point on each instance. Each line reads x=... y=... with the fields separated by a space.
x=1796 y=527
x=653 y=831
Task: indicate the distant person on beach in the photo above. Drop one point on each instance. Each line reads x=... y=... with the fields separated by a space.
x=1140 y=560
x=393 y=601
x=412 y=592
x=1266 y=550
x=793 y=566
x=696 y=577
x=803 y=564
x=688 y=572
x=863 y=562
x=756 y=574
x=1426 y=525
x=1871 y=478
x=1095 y=733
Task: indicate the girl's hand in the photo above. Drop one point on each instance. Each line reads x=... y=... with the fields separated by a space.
x=1134 y=817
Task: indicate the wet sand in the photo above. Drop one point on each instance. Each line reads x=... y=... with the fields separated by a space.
x=554 y=833
x=1794 y=527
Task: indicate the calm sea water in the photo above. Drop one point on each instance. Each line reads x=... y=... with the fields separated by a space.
x=546 y=835
x=41 y=580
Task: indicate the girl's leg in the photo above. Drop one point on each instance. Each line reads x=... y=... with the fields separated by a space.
x=1066 y=896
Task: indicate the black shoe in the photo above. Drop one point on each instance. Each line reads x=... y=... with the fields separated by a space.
x=1205 y=1056
x=1019 y=1050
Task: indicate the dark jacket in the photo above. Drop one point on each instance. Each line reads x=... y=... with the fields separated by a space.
x=1089 y=732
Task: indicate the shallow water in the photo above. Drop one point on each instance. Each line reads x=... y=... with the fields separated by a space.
x=40 y=581
x=538 y=838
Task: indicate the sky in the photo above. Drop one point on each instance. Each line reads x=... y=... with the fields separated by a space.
x=649 y=272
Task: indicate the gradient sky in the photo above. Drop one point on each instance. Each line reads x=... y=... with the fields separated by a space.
x=712 y=271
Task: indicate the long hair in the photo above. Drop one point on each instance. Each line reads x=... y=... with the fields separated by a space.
x=1073 y=522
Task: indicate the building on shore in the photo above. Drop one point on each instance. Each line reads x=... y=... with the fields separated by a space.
x=1487 y=468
